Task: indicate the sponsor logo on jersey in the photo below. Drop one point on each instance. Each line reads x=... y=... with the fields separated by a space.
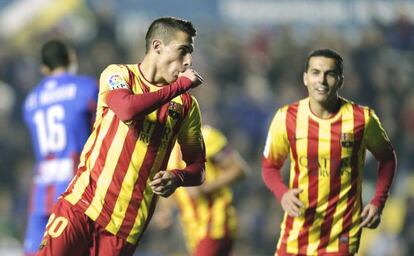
x=347 y=140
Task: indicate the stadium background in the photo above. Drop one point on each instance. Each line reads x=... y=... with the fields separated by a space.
x=251 y=53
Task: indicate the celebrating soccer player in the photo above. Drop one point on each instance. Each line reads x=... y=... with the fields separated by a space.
x=142 y=110
x=326 y=137
x=59 y=113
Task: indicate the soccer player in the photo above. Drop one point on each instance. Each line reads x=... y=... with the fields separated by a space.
x=208 y=216
x=59 y=113
x=326 y=137
x=142 y=110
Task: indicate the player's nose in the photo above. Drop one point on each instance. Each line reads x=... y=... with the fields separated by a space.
x=187 y=60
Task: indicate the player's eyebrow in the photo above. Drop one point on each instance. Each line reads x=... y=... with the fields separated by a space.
x=187 y=47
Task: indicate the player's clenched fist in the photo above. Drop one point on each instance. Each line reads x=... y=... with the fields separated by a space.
x=194 y=76
x=164 y=183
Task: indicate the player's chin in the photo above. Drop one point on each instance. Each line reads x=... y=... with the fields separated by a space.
x=172 y=79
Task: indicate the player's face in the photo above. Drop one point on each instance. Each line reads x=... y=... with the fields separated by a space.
x=322 y=80
x=175 y=56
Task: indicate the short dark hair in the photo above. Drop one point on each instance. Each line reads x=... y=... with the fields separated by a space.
x=55 y=54
x=328 y=53
x=165 y=28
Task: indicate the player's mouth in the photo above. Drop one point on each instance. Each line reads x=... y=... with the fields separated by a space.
x=322 y=90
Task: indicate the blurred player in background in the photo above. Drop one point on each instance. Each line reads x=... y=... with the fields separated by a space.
x=59 y=113
x=208 y=216
x=326 y=137
x=143 y=109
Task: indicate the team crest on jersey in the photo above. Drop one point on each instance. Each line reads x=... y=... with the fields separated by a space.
x=175 y=110
x=347 y=140
x=116 y=82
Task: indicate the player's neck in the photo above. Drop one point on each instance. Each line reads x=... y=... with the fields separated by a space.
x=58 y=71
x=149 y=70
x=325 y=110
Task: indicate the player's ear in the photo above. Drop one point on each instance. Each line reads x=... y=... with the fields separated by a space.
x=156 y=45
x=341 y=81
x=305 y=82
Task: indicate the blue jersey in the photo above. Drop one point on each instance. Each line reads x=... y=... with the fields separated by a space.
x=58 y=113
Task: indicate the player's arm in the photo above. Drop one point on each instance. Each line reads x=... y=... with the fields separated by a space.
x=191 y=142
x=126 y=105
x=380 y=146
x=232 y=168
x=275 y=153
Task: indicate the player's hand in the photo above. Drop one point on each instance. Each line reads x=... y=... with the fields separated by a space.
x=290 y=202
x=195 y=77
x=164 y=183
x=371 y=217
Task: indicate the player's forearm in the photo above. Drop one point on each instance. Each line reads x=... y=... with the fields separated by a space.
x=233 y=170
x=127 y=105
x=386 y=173
x=273 y=179
x=192 y=175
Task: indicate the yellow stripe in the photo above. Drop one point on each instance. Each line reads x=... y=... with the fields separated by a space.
x=83 y=180
x=356 y=212
x=324 y=149
x=218 y=212
x=131 y=176
x=301 y=147
x=188 y=218
x=105 y=178
x=347 y=127
x=142 y=216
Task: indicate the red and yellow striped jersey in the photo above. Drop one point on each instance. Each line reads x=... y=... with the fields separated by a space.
x=211 y=216
x=119 y=159
x=327 y=160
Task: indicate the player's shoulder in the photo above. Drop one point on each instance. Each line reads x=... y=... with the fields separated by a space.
x=117 y=68
x=349 y=104
x=294 y=105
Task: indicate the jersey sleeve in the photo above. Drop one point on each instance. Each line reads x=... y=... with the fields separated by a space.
x=375 y=137
x=277 y=146
x=380 y=146
x=114 y=77
x=190 y=136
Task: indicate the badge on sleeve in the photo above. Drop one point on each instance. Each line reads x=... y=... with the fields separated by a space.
x=116 y=82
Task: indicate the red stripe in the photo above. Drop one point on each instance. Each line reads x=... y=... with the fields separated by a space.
x=81 y=169
x=144 y=173
x=118 y=176
x=176 y=129
x=97 y=169
x=313 y=176
x=359 y=124
x=334 y=187
x=291 y=117
x=153 y=203
x=187 y=102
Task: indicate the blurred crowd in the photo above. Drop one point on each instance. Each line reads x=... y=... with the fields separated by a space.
x=248 y=73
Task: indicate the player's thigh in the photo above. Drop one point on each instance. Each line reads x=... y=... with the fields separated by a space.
x=214 y=247
x=67 y=232
x=35 y=229
x=105 y=243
